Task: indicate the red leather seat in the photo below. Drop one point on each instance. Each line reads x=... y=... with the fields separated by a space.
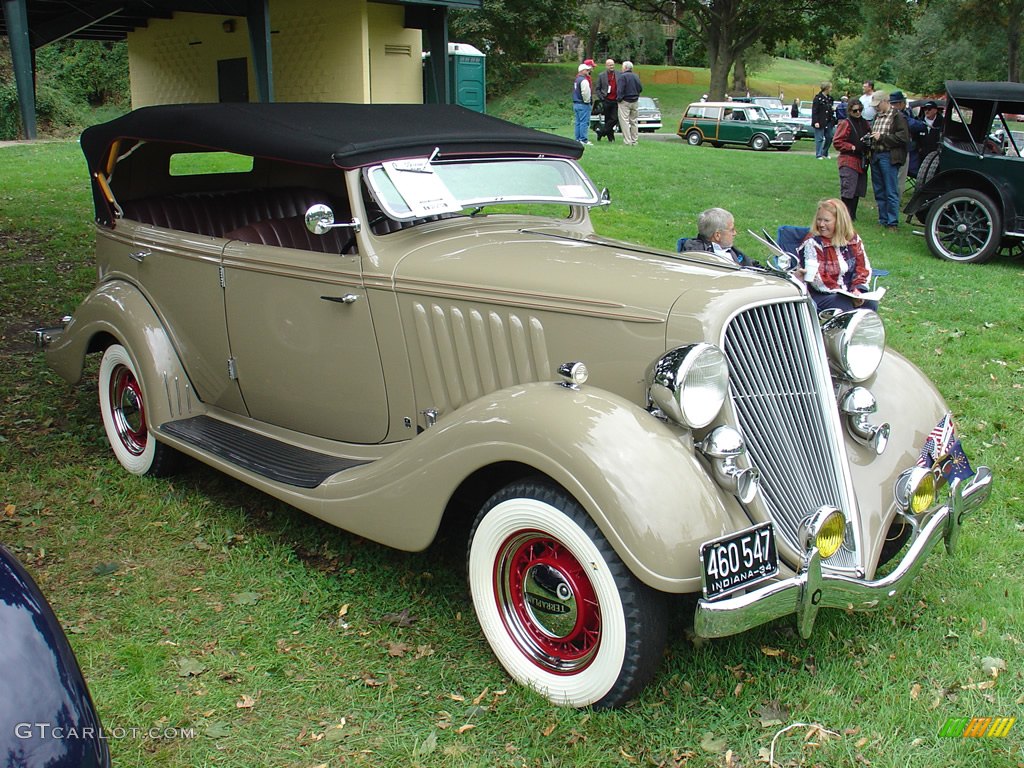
x=214 y=213
x=291 y=232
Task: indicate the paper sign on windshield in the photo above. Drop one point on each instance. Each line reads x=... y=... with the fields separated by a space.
x=420 y=187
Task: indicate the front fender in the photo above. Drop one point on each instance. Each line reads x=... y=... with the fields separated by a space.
x=912 y=406
x=638 y=477
x=117 y=311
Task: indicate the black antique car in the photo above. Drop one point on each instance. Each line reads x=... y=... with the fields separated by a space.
x=970 y=191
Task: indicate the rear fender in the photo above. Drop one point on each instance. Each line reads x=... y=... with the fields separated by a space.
x=117 y=312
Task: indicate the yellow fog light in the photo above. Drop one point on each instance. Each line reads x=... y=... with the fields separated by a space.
x=825 y=529
x=916 y=490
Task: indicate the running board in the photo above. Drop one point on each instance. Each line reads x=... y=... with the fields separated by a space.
x=270 y=458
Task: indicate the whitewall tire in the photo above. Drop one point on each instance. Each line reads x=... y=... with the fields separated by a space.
x=123 y=408
x=561 y=612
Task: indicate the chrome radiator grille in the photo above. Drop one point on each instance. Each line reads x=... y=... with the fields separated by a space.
x=782 y=396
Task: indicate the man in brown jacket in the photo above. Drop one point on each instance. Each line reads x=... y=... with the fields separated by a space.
x=890 y=136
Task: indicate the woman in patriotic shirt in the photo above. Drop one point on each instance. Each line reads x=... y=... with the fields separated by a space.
x=836 y=266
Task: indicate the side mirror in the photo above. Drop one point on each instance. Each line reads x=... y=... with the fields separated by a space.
x=320 y=220
x=606 y=198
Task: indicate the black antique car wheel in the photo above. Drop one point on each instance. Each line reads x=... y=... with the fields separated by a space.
x=964 y=225
x=561 y=611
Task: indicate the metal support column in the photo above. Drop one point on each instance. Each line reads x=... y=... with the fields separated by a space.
x=258 y=20
x=16 y=13
x=433 y=20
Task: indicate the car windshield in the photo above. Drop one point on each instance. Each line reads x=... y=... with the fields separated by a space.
x=410 y=189
x=755 y=112
x=646 y=102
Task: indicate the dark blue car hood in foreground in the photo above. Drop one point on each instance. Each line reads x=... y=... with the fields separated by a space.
x=47 y=717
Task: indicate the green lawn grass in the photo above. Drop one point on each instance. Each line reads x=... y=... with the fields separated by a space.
x=201 y=604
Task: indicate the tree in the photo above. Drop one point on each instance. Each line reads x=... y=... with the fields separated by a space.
x=731 y=27
x=617 y=32
x=511 y=32
x=981 y=19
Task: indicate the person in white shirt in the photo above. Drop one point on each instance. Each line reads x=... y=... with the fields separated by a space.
x=865 y=99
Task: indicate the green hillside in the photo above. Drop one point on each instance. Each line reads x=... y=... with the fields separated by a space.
x=542 y=100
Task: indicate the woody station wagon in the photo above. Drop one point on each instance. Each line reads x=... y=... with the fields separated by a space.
x=386 y=314
x=733 y=122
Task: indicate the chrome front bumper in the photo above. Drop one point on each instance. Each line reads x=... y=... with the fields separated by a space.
x=811 y=590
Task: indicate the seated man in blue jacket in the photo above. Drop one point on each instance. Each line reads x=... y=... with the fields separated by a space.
x=716 y=231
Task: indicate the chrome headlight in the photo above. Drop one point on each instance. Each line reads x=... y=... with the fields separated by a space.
x=689 y=384
x=855 y=342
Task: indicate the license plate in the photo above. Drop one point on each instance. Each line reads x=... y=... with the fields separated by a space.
x=738 y=560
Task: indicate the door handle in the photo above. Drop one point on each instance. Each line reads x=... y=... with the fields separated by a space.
x=348 y=298
x=138 y=255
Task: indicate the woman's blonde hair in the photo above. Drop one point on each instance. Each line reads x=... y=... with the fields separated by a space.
x=844 y=231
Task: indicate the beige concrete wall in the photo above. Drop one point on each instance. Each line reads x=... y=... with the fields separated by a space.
x=396 y=62
x=348 y=50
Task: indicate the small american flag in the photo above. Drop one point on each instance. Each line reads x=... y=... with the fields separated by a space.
x=938 y=443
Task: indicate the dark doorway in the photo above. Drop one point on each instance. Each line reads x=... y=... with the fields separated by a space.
x=233 y=80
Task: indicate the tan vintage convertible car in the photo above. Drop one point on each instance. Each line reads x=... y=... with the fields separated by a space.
x=386 y=314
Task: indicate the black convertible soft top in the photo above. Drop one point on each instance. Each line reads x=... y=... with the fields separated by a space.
x=1010 y=95
x=342 y=135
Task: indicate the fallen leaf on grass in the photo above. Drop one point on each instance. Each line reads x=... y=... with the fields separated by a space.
x=915 y=691
x=397 y=650
x=401 y=619
x=9 y=510
x=769 y=651
x=105 y=569
x=772 y=714
x=188 y=667
x=335 y=733
x=983 y=686
x=218 y=730
x=549 y=730
x=422 y=651
x=245 y=598
x=427 y=746
x=711 y=743
x=993 y=665
x=464 y=728
x=246 y=702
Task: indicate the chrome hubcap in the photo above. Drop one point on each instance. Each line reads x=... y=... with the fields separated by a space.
x=128 y=410
x=547 y=602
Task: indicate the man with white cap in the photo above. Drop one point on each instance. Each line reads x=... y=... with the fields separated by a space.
x=581 y=99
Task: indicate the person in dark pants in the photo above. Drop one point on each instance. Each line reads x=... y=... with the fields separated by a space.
x=889 y=151
x=607 y=94
x=823 y=120
x=853 y=151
